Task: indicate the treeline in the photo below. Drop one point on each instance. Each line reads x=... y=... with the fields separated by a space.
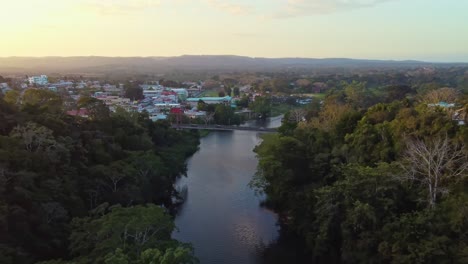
x=422 y=79
x=89 y=189
x=381 y=183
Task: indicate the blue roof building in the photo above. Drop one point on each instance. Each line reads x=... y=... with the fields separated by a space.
x=210 y=100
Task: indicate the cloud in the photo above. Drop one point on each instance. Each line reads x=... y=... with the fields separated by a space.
x=119 y=6
x=293 y=8
x=132 y=6
x=231 y=8
x=246 y=34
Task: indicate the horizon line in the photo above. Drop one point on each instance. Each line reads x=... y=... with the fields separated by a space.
x=242 y=56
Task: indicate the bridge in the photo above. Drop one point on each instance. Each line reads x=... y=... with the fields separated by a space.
x=223 y=128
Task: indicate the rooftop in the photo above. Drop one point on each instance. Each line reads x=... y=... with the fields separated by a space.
x=205 y=99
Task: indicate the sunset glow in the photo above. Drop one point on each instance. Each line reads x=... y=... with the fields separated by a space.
x=392 y=29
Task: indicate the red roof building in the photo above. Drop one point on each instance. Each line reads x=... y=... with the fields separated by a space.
x=83 y=112
x=176 y=111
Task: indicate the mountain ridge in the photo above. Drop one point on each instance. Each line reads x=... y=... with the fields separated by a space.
x=151 y=64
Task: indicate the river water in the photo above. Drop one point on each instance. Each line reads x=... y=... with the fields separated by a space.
x=222 y=216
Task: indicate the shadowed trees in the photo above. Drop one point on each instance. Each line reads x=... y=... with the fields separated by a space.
x=57 y=169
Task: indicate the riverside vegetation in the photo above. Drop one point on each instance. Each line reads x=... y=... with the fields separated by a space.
x=372 y=179
x=92 y=190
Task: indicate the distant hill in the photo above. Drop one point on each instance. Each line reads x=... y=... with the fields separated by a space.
x=143 y=65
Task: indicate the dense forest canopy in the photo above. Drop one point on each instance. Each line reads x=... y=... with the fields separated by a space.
x=375 y=171
x=93 y=190
x=373 y=175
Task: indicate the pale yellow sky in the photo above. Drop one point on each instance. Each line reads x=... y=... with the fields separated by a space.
x=383 y=29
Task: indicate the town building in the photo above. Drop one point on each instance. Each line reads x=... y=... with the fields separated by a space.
x=82 y=112
x=4 y=87
x=111 y=88
x=62 y=84
x=112 y=100
x=195 y=114
x=182 y=93
x=210 y=100
x=38 y=80
x=152 y=87
x=151 y=93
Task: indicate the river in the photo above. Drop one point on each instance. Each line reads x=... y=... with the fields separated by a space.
x=222 y=216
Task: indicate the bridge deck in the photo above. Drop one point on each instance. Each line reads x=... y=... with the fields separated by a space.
x=223 y=128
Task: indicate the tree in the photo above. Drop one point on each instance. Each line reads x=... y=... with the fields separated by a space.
x=34 y=137
x=208 y=117
x=435 y=163
x=134 y=93
x=178 y=255
x=12 y=97
x=132 y=229
x=224 y=115
x=43 y=99
x=229 y=82
x=97 y=109
x=297 y=115
x=243 y=102
x=169 y=83
x=261 y=106
x=280 y=85
x=303 y=83
x=112 y=176
x=358 y=95
x=201 y=105
x=445 y=94
x=117 y=257
x=236 y=91
x=330 y=114
x=228 y=90
x=53 y=167
x=397 y=92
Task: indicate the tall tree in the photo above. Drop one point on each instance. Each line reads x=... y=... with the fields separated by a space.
x=435 y=163
x=261 y=106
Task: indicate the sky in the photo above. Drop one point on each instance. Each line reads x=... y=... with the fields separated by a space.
x=430 y=30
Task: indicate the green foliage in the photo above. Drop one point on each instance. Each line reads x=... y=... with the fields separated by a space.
x=55 y=168
x=236 y=91
x=119 y=257
x=42 y=99
x=178 y=255
x=261 y=106
x=224 y=115
x=243 y=102
x=202 y=106
x=12 y=97
x=132 y=229
x=96 y=108
x=228 y=90
x=133 y=91
x=337 y=180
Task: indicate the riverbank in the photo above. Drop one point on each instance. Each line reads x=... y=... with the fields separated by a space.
x=203 y=133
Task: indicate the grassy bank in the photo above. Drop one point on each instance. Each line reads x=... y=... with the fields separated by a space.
x=203 y=133
x=209 y=93
x=280 y=109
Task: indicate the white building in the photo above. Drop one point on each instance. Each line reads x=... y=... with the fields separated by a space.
x=38 y=80
x=181 y=92
x=210 y=100
x=4 y=88
x=152 y=87
x=159 y=116
x=151 y=93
